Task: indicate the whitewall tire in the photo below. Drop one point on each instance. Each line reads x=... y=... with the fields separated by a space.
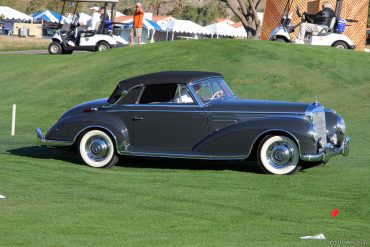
x=96 y=149
x=279 y=155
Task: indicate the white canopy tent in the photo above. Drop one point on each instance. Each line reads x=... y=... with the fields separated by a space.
x=223 y=29
x=12 y=14
x=185 y=26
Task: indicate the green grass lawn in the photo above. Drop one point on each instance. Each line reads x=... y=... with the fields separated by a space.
x=53 y=200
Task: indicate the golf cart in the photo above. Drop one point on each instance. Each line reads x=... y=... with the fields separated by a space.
x=331 y=36
x=75 y=38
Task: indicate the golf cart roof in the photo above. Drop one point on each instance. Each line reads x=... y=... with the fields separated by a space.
x=94 y=1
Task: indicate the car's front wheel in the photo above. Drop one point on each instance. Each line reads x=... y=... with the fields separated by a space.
x=278 y=155
x=55 y=48
x=96 y=149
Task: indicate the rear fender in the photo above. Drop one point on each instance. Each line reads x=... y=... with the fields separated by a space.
x=71 y=128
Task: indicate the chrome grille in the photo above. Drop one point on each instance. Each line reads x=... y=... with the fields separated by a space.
x=320 y=124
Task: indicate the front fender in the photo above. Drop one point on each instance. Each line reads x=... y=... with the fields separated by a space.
x=70 y=128
x=239 y=139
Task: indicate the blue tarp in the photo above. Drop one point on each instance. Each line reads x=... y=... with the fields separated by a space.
x=50 y=16
x=148 y=24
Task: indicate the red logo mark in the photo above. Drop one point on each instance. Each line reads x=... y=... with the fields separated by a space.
x=334 y=213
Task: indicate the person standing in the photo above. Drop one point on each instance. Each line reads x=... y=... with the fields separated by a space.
x=137 y=27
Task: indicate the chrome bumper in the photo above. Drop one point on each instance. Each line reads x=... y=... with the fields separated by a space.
x=50 y=143
x=328 y=151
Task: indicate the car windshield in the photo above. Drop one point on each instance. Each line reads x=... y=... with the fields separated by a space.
x=212 y=89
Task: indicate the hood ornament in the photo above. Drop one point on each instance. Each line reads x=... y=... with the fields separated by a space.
x=316 y=103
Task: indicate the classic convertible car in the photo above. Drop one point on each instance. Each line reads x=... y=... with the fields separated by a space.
x=195 y=115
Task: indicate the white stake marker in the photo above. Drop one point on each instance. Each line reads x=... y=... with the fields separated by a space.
x=13 y=119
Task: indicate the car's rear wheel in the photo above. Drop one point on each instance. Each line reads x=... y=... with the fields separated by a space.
x=340 y=45
x=102 y=46
x=96 y=149
x=278 y=155
x=55 y=48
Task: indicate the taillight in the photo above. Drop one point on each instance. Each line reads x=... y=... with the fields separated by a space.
x=90 y=109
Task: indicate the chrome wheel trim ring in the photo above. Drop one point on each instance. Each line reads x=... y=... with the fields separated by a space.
x=102 y=48
x=96 y=148
x=54 y=49
x=279 y=155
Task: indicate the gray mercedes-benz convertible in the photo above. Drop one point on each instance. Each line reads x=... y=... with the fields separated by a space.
x=195 y=115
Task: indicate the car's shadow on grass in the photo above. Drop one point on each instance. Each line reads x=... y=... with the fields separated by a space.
x=45 y=153
x=140 y=162
x=189 y=164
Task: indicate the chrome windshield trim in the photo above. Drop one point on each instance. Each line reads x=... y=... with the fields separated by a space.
x=200 y=102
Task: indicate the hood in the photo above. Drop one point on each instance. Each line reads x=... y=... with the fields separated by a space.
x=259 y=106
x=99 y=103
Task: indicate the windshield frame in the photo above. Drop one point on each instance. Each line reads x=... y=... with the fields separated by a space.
x=211 y=80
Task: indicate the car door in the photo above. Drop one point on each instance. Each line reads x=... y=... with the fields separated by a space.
x=168 y=120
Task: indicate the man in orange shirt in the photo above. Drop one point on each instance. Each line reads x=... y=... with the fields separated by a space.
x=137 y=27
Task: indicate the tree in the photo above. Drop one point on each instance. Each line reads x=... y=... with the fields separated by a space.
x=20 y=5
x=202 y=15
x=247 y=13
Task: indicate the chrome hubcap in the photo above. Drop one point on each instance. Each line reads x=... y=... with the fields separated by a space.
x=279 y=154
x=97 y=148
x=54 y=49
x=103 y=48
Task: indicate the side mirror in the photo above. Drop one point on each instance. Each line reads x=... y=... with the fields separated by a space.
x=298 y=12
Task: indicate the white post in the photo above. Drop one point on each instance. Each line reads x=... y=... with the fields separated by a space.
x=13 y=119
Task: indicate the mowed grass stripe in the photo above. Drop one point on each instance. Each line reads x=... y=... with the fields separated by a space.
x=52 y=200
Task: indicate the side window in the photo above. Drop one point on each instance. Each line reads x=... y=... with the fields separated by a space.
x=159 y=93
x=183 y=95
x=132 y=96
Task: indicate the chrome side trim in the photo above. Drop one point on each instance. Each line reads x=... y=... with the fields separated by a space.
x=328 y=152
x=51 y=143
x=183 y=156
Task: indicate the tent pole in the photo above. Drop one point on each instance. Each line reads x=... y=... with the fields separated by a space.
x=173 y=35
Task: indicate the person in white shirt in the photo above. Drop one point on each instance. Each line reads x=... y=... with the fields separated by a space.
x=94 y=22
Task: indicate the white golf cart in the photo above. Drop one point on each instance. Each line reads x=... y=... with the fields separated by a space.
x=330 y=36
x=75 y=38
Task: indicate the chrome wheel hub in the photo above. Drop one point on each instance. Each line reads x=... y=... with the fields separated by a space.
x=279 y=155
x=54 y=49
x=97 y=148
x=102 y=48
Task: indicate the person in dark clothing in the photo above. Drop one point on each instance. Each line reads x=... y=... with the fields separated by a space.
x=103 y=17
x=316 y=22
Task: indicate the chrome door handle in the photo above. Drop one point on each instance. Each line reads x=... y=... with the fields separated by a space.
x=137 y=118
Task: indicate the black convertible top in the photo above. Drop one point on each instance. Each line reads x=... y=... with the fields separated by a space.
x=163 y=77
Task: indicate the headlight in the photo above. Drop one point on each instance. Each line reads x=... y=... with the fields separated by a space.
x=334 y=139
x=341 y=125
x=313 y=133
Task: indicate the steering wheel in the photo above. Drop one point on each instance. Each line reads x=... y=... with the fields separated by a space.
x=75 y=19
x=217 y=94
